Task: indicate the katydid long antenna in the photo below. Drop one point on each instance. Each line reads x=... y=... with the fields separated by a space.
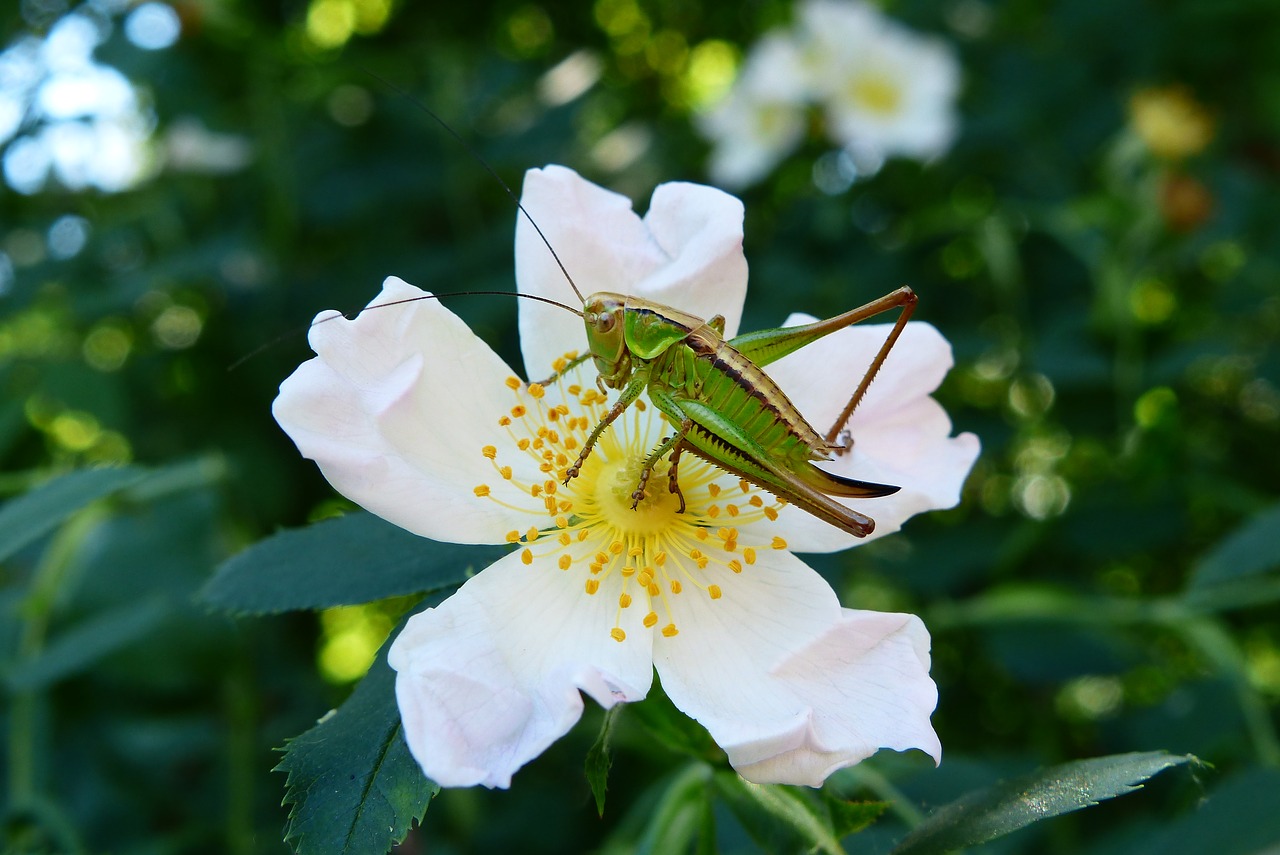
x=353 y=314
x=472 y=151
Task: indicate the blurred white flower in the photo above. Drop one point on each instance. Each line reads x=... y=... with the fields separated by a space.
x=885 y=89
x=885 y=92
x=762 y=119
x=191 y=147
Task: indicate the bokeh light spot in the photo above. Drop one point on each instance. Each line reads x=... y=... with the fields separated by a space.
x=153 y=26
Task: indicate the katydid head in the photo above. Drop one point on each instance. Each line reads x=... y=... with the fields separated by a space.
x=604 y=315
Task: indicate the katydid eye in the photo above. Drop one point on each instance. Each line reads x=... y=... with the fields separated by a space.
x=605 y=322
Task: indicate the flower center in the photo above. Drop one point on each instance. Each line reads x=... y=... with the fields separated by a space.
x=639 y=549
x=876 y=94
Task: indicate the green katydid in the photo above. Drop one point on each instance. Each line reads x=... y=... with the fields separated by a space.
x=724 y=408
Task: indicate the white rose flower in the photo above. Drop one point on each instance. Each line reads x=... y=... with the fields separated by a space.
x=409 y=414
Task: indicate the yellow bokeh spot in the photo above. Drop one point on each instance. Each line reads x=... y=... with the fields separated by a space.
x=1154 y=405
x=107 y=346
x=349 y=640
x=1171 y=122
x=75 y=431
x=1152 y=302
x=330 y=23
x=710 y=72
x=530 y=30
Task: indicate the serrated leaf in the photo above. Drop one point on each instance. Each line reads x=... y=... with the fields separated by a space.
x=88 y=641
x=780 y=819
x=353 y=559
x=34 y=514
x=599 y=758
x=352 y=785
x=1251 y=549
x=996 y=811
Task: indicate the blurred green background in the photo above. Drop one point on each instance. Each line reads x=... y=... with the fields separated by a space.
x=1108 y=281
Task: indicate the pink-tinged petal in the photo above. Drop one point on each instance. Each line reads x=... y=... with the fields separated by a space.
x=790 y=685
x=686 y=252
x=901 y=436
x=394 y=410
x=491 y=677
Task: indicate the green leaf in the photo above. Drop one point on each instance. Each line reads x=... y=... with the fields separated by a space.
x=996 y=811
x=849 y=817
x=353 y=786
x=678 y=819
x=599 y=758
x=1250 y=550
x=357 y=558
x=87 y=642
x=780 y=819
x=38 y=512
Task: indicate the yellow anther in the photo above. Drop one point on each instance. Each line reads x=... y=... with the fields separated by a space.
x=526 y=556
x=616 y=547
x=542 y=432
x=735 y=565
x=695 y=554
x=570 y=443
x=730 y=546
x=574 y=389
x=641 y=406
x=523 y=444
x=714 y=591
x=594 y=568
x=701 y=534
x=550 y=486
x=513 y=383
x=482 y=490
x=676 y=587
x=563 y=522
x=536 y=390
x=778 y=543
x=745 y=485
x=732 y=510
x=564 y=506
x=660 y=559
x=559 y=365
x=562 y=461
x=505 y=472
x=562 y=409
x=726 y=533
x=713 y=511
x=553 y=437
x=564 y=538
x=549 y=502
x=489 y=451
x=645 y=577
x=670 y=630
x=564 y=561
x=771 y=513
x=553 y=415
x=749 y=555
x=546 y=468
x=518 y=411
x=702 y=563
x=538 y=443
x=583 y=534
x=571 y=355
x=504 y=421
x=635 y=551
x=628 y=570
x=531 y=535
x=713 y=490
x=617 y=634
x=756 y=502
x=535 y=490
x=601 y=558
x=654 y=590
x=651 y=619
x=624 y=601
x=513 y=536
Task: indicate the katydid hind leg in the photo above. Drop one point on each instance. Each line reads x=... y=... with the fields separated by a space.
x=670 y=445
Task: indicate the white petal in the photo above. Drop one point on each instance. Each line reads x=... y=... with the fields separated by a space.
x=395 y=408
x=686 y=253
x=491 y=677
x=790 y=685
x=901 y=435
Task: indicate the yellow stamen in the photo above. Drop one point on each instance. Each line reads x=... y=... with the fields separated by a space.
x=617 y=634
x=482 y=490
x=714 y=591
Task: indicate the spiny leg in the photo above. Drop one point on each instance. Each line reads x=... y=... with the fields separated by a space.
x=572 y=363
x=673 y=483
x=670 y=445
x=839 y=437
x=629 y=393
